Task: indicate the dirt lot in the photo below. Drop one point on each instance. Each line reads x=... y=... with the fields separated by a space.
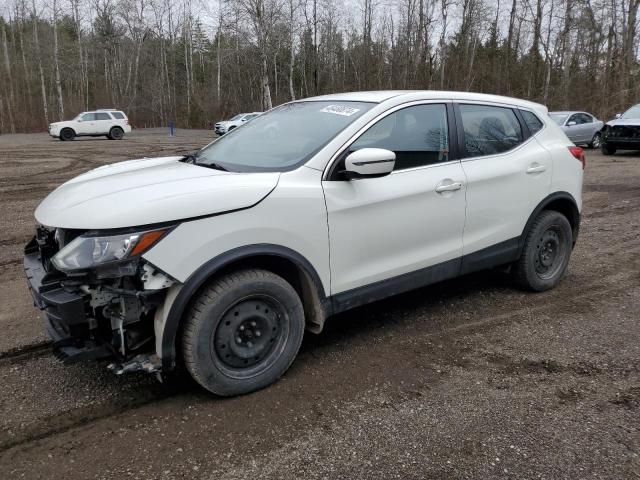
x=467 y=379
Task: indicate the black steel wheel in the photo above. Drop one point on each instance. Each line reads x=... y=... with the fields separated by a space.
x=546 y=253
x=243 y=332
x=250 y=335
x=550 y=252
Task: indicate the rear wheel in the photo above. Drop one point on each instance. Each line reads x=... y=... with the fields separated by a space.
x=595 y=141
x=116 y=133
x=608 y=150
x=67 y=134
x=546 y=252
x=243 y=332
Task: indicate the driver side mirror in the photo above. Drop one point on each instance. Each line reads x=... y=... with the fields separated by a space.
x=618 y=115
x=571 y=123
x=369 y=162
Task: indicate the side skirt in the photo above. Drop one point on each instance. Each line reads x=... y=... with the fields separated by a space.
x=499 y=254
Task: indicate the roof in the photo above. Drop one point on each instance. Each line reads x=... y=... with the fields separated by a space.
x=379 y=96
x=376 y=96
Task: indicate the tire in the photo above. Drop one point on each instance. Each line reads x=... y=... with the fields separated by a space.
x=595 y=141
x=607 y=150
x=230 y=128
x=225 y=344
x=546 y=252
x=67 y=134
x=116 y=133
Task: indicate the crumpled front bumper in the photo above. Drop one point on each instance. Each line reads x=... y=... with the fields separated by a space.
x=64 y=312
x=622 y=136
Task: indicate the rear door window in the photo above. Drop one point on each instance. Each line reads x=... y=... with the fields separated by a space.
x=584 y=118
x=102 y=116
x=418 y=135
x=489 y=130
x=580 y=118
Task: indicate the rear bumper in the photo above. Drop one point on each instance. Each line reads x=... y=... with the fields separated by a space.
x=64 y=312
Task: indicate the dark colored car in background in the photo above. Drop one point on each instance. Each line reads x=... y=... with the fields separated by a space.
x=623 y=133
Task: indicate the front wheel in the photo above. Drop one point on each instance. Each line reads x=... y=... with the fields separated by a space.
x=608 y=150
x=546 y=252
x=595 y=141
x=67 y=134
x=243 y=332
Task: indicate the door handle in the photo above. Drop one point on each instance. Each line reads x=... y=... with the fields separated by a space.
x=448 y=187
x=536 y=168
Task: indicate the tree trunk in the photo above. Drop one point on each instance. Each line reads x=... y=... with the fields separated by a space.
x=7 y=64
x=43 y=89
x=56 y=62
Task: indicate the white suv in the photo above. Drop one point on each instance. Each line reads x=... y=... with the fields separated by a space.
x=107 y=122
x=219 y=261
x=226 y=126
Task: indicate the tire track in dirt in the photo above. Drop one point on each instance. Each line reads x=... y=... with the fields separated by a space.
x=25 y=352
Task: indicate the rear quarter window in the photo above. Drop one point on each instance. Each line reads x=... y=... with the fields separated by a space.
x=533 y=122
x=118 y=115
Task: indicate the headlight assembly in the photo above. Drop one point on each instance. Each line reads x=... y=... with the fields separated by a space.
x=86 y=252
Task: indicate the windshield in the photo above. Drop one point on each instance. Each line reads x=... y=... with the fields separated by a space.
x=559 y=118
x=282 y=138
x=237 y=117
x=633 y=112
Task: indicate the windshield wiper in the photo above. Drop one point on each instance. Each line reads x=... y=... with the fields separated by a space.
x=192 y=158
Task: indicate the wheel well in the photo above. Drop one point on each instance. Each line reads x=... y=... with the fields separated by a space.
x=116 y=126
x=300 y=280
x=569 y=210
x=68 y=128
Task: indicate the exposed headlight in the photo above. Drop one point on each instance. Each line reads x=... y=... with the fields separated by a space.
x=86 y=252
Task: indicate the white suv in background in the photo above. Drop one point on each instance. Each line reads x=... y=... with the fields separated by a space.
x=226 y=126
x=105 y=122
x=220 y=260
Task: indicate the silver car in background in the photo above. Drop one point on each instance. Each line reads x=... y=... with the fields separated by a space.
x=582 y=128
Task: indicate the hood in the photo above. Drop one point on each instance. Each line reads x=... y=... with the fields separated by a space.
x=61 y=123
x=147 y=191
x=624 y=122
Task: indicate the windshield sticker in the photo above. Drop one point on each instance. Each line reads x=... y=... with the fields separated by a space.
x=340 y=110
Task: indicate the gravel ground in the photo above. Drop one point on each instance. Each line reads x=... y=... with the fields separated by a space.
x=466 y=379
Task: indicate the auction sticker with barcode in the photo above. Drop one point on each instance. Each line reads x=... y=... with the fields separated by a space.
x=340 y=110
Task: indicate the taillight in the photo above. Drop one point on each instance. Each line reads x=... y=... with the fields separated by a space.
x=578 y=154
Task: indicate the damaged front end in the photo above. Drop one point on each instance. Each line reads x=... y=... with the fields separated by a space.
x=98 y=295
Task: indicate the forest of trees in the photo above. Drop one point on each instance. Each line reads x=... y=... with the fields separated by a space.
x=196 y=61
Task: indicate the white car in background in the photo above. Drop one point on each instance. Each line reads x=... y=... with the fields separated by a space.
x=111 y=123
x=226 y=126
x=220 y=260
